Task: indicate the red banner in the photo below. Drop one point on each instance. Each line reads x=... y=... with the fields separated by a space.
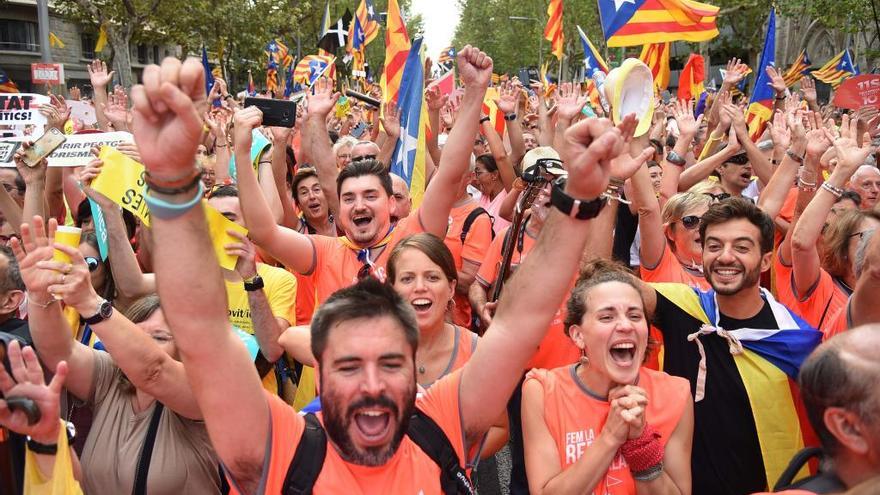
x=859 y=91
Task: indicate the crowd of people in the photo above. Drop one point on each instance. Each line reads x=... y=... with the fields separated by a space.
x=682 y=310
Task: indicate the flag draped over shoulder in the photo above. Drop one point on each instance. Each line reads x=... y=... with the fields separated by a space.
x=656 y=57
x=690 y=82
x=409 y=154
x=396 y=50
x=592 y=58
x=760 y=109
x=836 y=70
x=800 y=68
x=637 y=22
x=768 y=361
x=553 y=32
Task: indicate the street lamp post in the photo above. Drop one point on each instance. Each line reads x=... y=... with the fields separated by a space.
x=540 y=39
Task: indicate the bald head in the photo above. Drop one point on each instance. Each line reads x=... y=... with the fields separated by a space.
x=843 y=373
x=866 y=182
x=364 y=150
x=403 y=201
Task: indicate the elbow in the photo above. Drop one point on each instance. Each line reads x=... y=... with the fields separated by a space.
x=800 y=243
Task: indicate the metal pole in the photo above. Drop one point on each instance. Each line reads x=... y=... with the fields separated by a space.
x=43 y=23
x=541 y=51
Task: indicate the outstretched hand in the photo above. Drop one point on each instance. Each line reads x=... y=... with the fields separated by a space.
x=27 y=381
x=167 y=123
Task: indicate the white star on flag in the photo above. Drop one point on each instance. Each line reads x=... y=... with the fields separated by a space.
x=619 y=3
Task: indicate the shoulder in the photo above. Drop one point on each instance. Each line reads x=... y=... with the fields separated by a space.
x=441 y=403
x=548 y=379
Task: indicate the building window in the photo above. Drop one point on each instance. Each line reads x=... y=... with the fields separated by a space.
x=156 y=58
x=142 y=54
x=20 y=36
x=88 y=45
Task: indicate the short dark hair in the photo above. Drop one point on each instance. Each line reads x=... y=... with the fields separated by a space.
x=11 y=279
x=365 y=167
x=431 y=246
x=652 y=163
x=828 y=379
x=368 y=298
x=225 y=191
x=595 y=272
x=488 y=162
x=736 y=208
x=302 y=174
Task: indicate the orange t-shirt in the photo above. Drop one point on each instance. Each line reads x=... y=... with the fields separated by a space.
x=337 y=265
x=409 y=470
x=475 y=245
x=824 y=300
x=837 y=323
x=786 y=213
x=669 y=269
x=556 y=349
x=306 y=298
x=575 y=418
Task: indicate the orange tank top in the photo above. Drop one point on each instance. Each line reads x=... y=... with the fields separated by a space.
x=575 y=417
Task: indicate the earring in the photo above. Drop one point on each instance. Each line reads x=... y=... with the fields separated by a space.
x=450 y=305
x=584 y=359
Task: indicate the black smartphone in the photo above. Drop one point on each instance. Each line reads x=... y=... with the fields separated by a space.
x=25 y=405
x=369 y=100
x=278 y=113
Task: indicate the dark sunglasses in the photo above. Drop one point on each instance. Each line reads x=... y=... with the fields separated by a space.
x=718 y=197
x=691 y=222
x=740 y=159
x=92 y=262
x=362 y=158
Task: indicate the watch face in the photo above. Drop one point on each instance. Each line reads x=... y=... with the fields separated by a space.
x=106 y=309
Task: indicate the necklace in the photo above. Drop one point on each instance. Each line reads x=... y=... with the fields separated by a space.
x=421 y=367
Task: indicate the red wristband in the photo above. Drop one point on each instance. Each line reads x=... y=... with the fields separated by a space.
x=643 y=452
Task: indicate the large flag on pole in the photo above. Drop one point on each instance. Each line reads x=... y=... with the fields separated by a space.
x=553 y=32
x=325 y=21
x=209 y=76
x=837 y=69
x=656 y=57
x=761 y=102
x=311 y=67
x=396 y=50
x=409 y=155
x=800 y=68
x=336 y=35
x=638 y=22
x=365 y=27
x=592 y=58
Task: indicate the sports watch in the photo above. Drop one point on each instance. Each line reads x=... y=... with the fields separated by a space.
x=575 y=208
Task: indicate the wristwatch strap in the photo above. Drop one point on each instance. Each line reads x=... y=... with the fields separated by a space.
x=575 y=208
x=253 y=284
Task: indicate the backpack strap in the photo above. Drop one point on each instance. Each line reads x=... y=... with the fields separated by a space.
x=471 y=218
x=308 y=460
x=822 y=482
x=428 y=435
x=143 y=465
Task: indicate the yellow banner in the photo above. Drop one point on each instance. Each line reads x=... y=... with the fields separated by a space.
x=217 y=227
x=122 y=180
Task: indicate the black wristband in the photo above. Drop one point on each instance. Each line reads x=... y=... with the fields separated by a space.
x=575 y=208
x=254 y=284
x=41 y=448
x=485 y=119
x=510 y=117
x=187 y=187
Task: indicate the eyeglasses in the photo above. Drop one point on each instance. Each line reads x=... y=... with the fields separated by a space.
x=362 y=158
x=861 y=234
x=718 y=197
x=691 y=222
x=92 y=262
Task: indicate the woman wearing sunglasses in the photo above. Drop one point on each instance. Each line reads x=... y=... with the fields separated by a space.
x=670 y=249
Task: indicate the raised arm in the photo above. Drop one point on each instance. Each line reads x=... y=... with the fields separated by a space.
x=100 y=79
x=703 y=168
x=534 y=293
x=808 y=229
x=436 y=101
x=286 y=245
x=391 y=125
x=280 y=137
x=687 y=126
x=773 y=195
x=50 y=331
x=502 y=158
x=760 y=164
x=569 y=105
x=475 y=69
x=508 y=103
x=138 y=354
x=167 y=128
x=35 y=184
x=316 y=142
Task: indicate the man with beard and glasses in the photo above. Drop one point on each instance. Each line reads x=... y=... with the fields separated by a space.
x=741 y=351
x=365 y=337
x=361 y=195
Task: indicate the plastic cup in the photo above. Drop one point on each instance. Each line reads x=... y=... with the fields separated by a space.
x=69 y=236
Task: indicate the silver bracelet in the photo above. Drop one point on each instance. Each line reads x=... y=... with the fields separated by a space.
x=650 y=474
x=836 y=191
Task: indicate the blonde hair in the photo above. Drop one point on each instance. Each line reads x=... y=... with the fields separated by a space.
x=704 y=186
x=677 y=205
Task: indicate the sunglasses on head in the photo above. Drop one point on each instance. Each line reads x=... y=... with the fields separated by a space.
x=718 y=197
x=690 y=222
x=93 y=263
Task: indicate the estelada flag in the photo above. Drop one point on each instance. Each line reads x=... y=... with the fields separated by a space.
x=656 y=57
x=760 y=109
x=690 y=82
x=6 y=84
x=311 y=67
x=396 y=50
x=837 y=69
x=800 y=68
x=637 y=22
x=592 y=58
x=553 y=32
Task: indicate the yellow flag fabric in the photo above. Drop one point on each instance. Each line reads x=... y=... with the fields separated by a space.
x=217 y=227
x=122 y=180
x=61 y=482
x=55 y=41
x=102 y=40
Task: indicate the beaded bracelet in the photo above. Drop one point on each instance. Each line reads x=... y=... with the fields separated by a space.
x=836 y=191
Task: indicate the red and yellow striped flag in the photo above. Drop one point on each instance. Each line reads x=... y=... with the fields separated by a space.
x=656 y=57
x=837 y=69
x=396 y=50
x=630 y=22
x=799 y=68
x=690 y=82
x=553 y=32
